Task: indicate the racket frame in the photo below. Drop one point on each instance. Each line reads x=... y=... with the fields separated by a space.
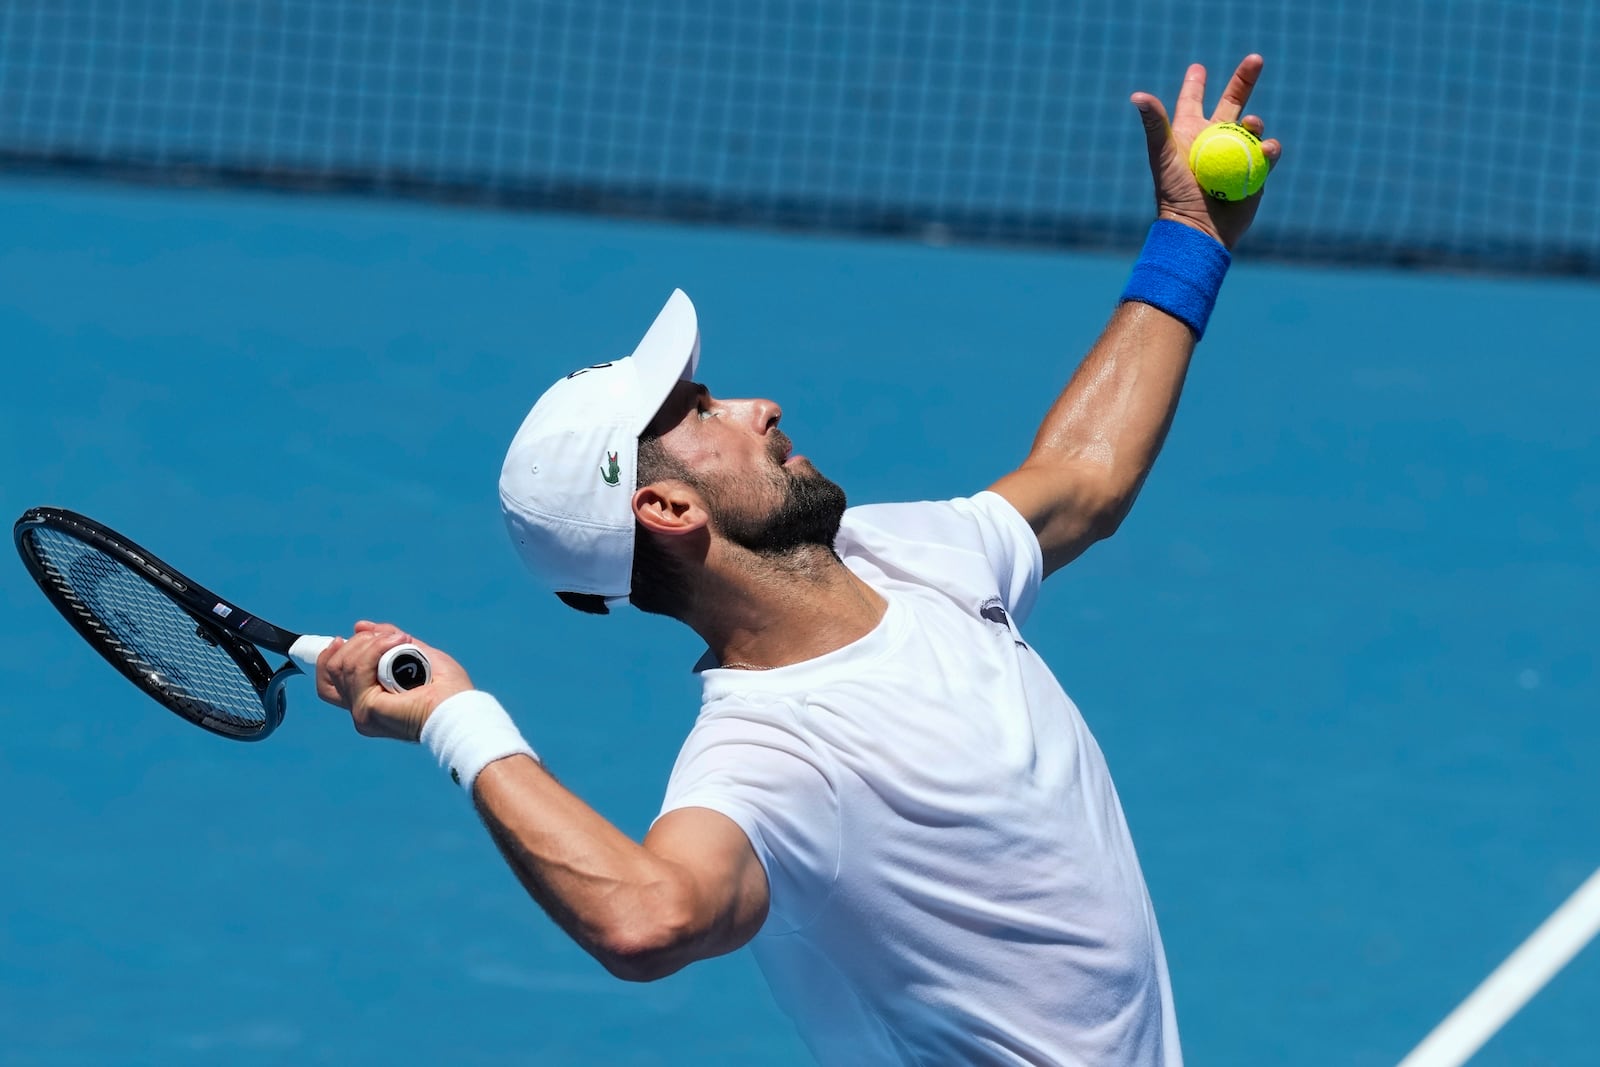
x=218 y=621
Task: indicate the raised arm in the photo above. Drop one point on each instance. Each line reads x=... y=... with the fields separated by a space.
x=1101 y=437
x=693 y=889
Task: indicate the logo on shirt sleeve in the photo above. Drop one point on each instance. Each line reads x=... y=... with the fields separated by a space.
x=993 y=612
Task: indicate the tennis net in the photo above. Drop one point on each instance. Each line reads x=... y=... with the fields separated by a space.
x=1458 y=135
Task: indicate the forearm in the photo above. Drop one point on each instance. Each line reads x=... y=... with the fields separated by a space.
x=1108 y=424
x=1100 y=438
x=629 y=908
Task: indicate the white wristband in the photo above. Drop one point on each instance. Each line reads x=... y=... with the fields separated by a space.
x=468 y=732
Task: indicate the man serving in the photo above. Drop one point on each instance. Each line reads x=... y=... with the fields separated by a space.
x=886 y=794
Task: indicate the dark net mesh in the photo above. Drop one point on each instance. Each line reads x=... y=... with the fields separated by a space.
x=1461 y=134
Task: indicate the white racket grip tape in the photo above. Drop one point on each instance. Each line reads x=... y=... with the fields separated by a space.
x=306 y=649
x=469 y=731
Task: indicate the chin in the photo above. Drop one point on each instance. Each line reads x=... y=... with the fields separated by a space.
x=809 y=514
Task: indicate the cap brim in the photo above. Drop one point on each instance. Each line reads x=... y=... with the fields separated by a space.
x=668 y=354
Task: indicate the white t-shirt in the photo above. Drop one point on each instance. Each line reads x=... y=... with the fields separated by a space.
x=951 y=877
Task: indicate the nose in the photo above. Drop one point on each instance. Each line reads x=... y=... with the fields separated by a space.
x=763 y=414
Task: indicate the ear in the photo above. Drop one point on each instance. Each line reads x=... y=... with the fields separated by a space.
x=670 y=508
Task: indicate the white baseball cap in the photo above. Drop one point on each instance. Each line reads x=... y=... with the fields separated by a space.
x=569 y=477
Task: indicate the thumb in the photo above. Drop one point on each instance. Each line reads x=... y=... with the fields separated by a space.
x=1157 y=131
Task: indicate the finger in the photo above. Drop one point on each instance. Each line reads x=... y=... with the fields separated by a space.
x=324 y=679
x=391 y=638
x=1157 y=131
x=350 y=663
x=327 y=658
x=1272 y=150
x=381 y=628
x=1192 y=97
x=1254 y=124
x=359 y=656
x=1237 y=93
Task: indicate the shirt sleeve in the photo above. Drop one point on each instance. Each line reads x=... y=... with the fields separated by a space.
x=972 y=548
x=1010 y=546
x=748 y=762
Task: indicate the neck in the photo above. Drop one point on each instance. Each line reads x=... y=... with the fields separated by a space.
x=771 y=611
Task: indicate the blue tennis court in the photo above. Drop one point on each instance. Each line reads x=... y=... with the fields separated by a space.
x=1341 y=657
x=280 y=278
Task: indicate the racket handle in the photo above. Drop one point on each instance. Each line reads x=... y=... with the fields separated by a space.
x=402 y=667
x=305 y=650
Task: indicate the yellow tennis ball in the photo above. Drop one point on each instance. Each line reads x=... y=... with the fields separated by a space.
x=1228 y=162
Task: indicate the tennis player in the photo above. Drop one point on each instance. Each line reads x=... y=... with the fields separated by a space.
x=886 y=794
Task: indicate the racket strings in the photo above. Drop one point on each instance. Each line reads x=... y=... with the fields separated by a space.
x=180 y=661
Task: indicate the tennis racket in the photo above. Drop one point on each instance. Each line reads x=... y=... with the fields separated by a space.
x=194 y=652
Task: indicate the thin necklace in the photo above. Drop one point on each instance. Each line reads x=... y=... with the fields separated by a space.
x=737 y=665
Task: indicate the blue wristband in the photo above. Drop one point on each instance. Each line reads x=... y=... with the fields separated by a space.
x=1179 y=271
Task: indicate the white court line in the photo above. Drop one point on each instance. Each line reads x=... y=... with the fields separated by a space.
x=1514 y=982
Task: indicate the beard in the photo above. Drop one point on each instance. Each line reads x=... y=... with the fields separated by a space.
x=808 y=515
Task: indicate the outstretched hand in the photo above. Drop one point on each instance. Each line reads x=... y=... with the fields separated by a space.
x=347 y=675
x=1178 y=196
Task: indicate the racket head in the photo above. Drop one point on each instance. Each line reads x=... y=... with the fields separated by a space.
x=142 y=617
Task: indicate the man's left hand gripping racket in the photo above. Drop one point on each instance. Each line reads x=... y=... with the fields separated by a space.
x=197 y=654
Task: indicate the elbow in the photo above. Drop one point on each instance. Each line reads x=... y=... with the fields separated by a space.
x=1098 y=500
x=638 y=969
x=647 y=948
x=637 y=965
x=1107 y=519
x=1104 y=511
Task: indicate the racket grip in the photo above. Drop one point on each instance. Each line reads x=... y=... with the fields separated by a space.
x=305 y=650
x=402 y=667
